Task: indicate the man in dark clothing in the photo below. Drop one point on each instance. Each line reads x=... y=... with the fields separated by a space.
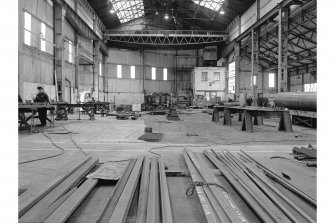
x=42 y=112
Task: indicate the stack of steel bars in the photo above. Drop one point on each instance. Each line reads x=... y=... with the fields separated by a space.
x=56 y=201
x=268 y=202
x=142 y=183
x=153 y=200
x=216 y=202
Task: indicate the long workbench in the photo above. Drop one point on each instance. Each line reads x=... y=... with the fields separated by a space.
x=88 y=107
x=246 y=114
x=32 y=108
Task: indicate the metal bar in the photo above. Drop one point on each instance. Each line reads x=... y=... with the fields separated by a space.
x=205 y=203
x=165 y=200
x=144 y=189
x=62 y=213
x=232 y=213
x=253 y=202
x=32 y=196
x=294 y=188
x=59 y=191
x=153 y=210
x=111 y=202
x=122 y=207
x=270 y=185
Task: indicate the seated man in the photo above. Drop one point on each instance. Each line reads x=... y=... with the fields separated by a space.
x=42 y=112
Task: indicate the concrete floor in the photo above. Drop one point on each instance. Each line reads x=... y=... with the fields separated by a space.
x=110 y=140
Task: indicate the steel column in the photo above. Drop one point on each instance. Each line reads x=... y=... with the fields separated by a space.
x=282 y=49
x=254 y=59
x=59 y=18
x=237 y=47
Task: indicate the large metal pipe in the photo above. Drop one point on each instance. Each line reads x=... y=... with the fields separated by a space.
x=296 y=100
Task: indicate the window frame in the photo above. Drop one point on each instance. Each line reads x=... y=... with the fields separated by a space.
x=153 y=73
x=202 y=76
x=43 y=37
x=165 y=74
x=119 y=71
x=70 y=53
x=273 y=83
x=27 y=30
x=132 y=72
x=100 y=68
x=216 y=74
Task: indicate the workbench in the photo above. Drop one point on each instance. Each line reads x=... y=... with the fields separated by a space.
x=246 y=114
x=88 y=107
x=32 y=108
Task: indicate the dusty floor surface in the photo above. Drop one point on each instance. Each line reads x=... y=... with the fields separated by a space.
x=115 y=140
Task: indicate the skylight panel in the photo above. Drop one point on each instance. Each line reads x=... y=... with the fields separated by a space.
x=128 y=10
x=210 y=4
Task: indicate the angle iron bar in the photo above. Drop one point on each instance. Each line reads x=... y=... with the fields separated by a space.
x=61 y=189
x=253 y=203
x=266 y=191
x=164 y=190
x=64 y=211
x=274 y=189
x=111 y=201
x=122 y=207
x=144 y=190
x=231 y=210
x=205 y=203
x=153 y=209
x=296 y=189
x=219 y=211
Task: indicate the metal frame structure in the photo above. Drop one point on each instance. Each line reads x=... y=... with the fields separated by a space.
x=287 y=41
x=166 y=37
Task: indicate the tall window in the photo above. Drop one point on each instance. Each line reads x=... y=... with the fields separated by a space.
x=204 y=76
x=153 y=73
x=165 y=74
x=132 y=72
x=271 y=80
x=217 y=76
x=100 y=69
x=27 y=28
x=119 y=71
x=43 y=33
x=70 y=52
x=231 y=77
x=253 y=80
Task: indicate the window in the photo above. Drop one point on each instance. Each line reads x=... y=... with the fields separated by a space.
x=100 y=69
x=165 y=74
x=128 y=10
x=217 y=76
x=310 y=87
x=27 y=28
x=204 y=76
x=231 y=77
x=271 y=80
x=253 y=80
x=43 y=33
x=70 y=52
x=153 y=73
x=119 y=71
x=211 y=4
x=132 y=72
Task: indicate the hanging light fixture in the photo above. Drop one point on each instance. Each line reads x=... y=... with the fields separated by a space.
x=166 y=16
x=221 y=12
x=156 y=12
x=112 y=11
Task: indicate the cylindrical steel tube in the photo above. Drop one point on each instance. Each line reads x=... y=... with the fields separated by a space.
x=296 y=100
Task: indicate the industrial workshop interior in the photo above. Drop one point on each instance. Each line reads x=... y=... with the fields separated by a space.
x=167 y=111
